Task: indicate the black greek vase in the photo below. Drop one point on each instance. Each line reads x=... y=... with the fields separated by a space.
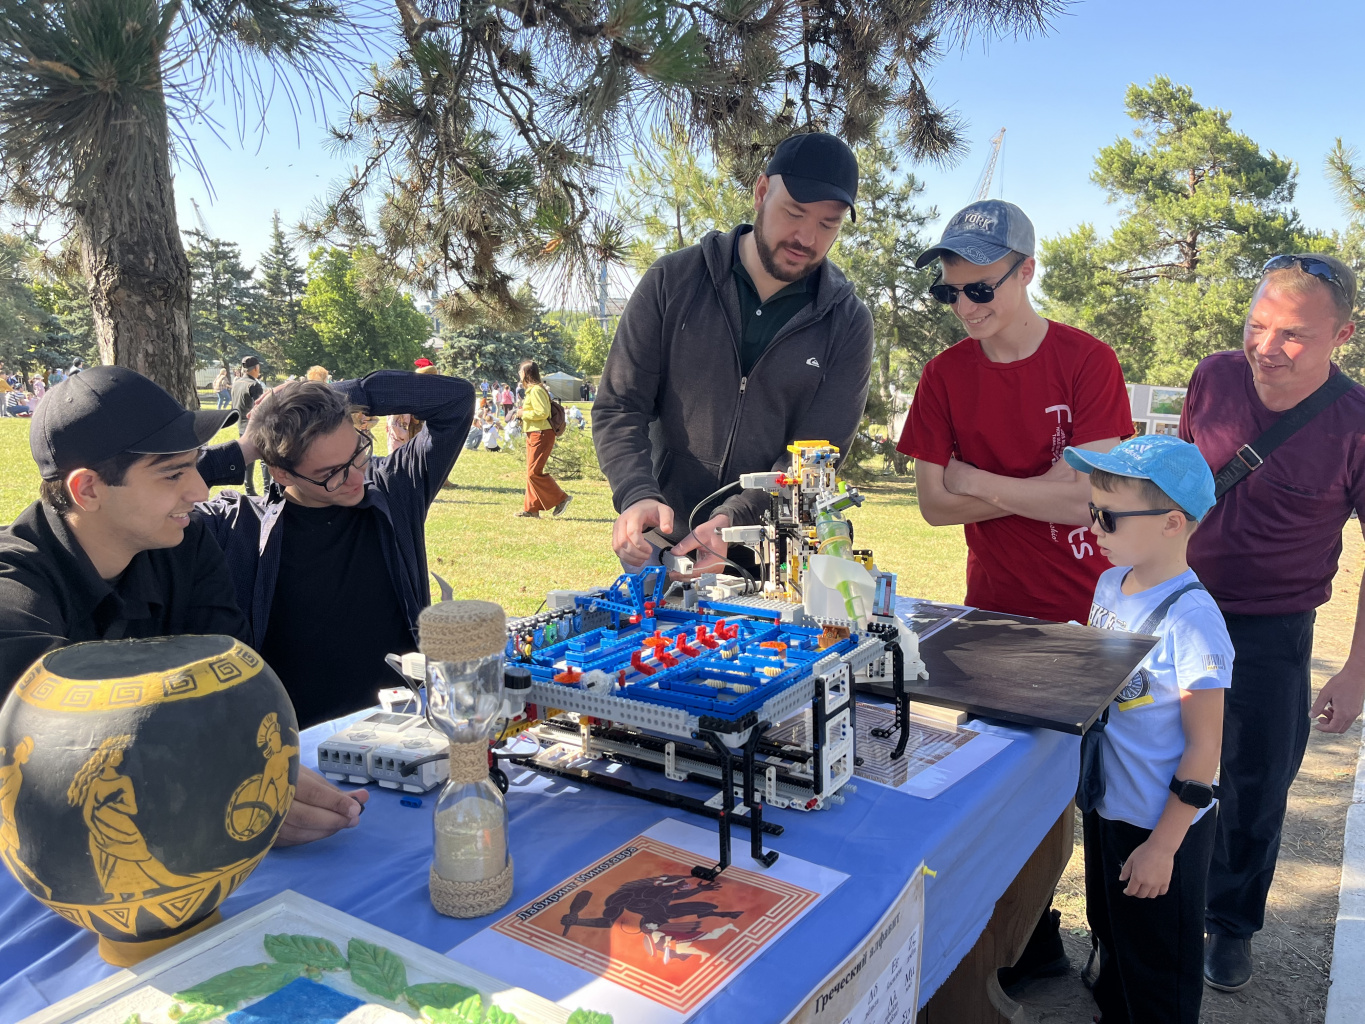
x=141 y=782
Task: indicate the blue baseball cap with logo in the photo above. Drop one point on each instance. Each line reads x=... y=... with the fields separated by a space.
x=1172 y=464
x=983 y=233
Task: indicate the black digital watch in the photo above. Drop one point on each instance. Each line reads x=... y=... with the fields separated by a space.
x=1196 y=794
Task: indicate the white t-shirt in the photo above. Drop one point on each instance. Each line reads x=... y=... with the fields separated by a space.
x=1144 y=739
x=490 y=435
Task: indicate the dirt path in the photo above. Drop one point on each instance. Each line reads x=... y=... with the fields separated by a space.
x=1293 y=955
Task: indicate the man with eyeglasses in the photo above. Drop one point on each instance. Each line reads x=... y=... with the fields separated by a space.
x=990 y=420
x=330 y=564
x=1268 y=554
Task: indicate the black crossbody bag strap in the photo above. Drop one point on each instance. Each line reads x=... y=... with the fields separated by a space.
x=1090 y=787
x=1252 y=456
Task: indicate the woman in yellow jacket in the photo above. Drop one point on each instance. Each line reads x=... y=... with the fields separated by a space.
x=542 y=493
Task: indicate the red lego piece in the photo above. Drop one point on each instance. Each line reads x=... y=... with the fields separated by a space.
x=704 y=639
x=637 y=662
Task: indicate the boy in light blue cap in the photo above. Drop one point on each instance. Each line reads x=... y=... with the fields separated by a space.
x=1149 y=828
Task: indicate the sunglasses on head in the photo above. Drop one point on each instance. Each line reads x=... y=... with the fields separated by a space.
x=978 y=291
x=1109 y=521
x=1320 y=269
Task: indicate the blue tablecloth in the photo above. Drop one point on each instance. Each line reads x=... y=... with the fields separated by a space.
x=977 y=836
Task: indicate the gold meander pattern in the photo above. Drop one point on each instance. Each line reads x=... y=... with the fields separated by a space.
x=42 y=689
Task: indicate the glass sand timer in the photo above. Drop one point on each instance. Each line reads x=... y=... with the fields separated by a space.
x=471 y=870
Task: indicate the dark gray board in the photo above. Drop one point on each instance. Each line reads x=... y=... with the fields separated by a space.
x=1051 y=675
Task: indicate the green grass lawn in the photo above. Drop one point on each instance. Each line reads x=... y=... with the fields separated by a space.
x=476 y=544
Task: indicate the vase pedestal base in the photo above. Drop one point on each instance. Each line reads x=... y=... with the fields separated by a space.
x=128 y=954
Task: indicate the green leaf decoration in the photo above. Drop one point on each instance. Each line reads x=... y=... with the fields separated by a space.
x=468 y=1012
x=438 y=995
x=231 y=987
x=497 y=1015
x=197 y=1013
x=582 y=1016
x=308 y=950
x=377 y=970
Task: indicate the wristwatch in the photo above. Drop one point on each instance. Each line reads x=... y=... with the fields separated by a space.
x=1196 y=794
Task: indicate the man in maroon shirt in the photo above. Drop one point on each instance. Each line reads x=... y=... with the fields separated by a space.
x=1268 y=553
x=989 y=422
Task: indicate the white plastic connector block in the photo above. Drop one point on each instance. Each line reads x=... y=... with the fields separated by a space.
x=742 y=535
x=760 y=481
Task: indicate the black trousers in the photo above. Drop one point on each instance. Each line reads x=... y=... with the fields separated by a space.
x=251 y=466
x=1265 y=732
x=1151 y=950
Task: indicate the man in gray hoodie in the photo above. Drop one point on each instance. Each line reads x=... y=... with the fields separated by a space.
x=730 y=350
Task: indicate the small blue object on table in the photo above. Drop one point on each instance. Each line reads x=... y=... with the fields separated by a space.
x=977 y=836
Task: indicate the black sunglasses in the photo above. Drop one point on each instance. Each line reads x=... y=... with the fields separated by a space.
x=1109 y=520
x=978 y=291
x=337 y=478
x=1320 y=269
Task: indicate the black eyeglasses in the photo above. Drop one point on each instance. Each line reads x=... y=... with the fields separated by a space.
x=1320 y=269
x=336 y=478
x=978 y=291
x=1109 y=520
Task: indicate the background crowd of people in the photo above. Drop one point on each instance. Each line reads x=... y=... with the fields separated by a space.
x=20 y=396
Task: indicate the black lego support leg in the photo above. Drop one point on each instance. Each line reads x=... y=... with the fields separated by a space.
x=727 y=803
x=902 y=698
x=755 y=804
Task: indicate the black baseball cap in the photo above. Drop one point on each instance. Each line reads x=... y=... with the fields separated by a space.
x=816 y=167
x=109 y=410
x=250 y=361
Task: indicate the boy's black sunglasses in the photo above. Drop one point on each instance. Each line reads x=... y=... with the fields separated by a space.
x=978 y=291
x=1109 y=520
x=1320 y=269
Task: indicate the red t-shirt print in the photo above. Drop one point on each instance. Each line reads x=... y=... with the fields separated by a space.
x=1015 y=419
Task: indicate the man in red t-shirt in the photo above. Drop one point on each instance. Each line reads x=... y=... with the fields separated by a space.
x=987 y=428
x=993 y=414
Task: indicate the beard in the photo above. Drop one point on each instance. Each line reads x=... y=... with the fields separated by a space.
x=767 y=256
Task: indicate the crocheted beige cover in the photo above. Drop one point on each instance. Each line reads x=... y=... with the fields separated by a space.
x=471 y=899
x=462 y=630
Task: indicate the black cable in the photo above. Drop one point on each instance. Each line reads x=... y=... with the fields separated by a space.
x=724 y=561
x=691 y=520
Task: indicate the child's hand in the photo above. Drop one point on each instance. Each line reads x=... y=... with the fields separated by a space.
x=1147 y=871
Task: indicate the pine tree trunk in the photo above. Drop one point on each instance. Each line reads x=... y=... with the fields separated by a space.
x=136 y=267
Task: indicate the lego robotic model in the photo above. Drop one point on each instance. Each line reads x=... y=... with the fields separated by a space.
x=697 y=678
x=703 y=679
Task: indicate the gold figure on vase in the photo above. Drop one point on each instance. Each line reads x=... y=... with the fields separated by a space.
x=123 y=864
x=11 y=775
x=259 y=799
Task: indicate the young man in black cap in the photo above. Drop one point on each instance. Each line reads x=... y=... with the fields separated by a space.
x=730 y=350
x=246 y=392
x=110 y=550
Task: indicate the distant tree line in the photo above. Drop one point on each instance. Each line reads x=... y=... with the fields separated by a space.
x=1203 y=208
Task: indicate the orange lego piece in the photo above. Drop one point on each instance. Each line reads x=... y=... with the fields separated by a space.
x=569 y=675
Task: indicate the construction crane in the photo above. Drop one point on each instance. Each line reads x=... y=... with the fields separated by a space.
x=983 y=183
x=199 y=218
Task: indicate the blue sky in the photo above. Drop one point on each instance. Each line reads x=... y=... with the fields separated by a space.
x=1274 y=66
